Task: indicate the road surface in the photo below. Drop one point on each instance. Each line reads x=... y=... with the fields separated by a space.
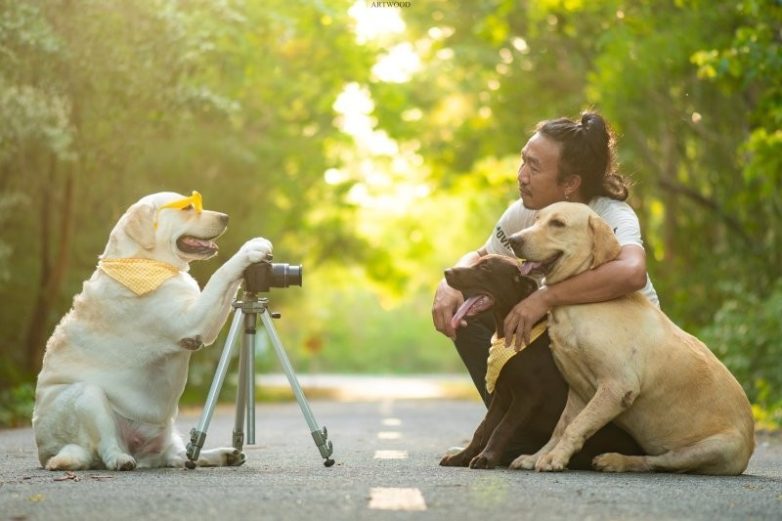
x=387 y=452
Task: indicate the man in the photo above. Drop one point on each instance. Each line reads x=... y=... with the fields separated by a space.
x=562 y=161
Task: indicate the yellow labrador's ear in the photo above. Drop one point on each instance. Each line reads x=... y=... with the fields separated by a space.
x=605 y=247
x=140 y=225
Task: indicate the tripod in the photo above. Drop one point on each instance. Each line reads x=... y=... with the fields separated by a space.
x=247 y=311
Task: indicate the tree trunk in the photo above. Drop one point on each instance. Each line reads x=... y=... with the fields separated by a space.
x=54 y=266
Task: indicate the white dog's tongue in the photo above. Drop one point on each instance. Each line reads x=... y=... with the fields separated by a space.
x=528 y=266
x=464 y=309
x=199 y=243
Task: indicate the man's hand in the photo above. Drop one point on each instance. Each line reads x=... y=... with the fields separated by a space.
x=522 y=317
x=446 y=301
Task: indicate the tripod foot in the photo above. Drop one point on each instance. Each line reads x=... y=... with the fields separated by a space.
x=190 y=465
x=329 y=462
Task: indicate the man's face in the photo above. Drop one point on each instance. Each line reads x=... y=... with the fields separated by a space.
x=538 y=184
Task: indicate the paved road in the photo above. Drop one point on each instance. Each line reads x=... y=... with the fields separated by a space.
x=387 y=453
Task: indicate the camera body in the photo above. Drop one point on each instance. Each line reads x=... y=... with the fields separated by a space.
x=264 y=275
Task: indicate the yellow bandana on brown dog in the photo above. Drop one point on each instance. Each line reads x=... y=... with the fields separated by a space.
x=499 y=354
x=138 y=275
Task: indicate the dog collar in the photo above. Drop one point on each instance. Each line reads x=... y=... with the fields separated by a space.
x=499 y=354
x=140 y=276
x=195 y=201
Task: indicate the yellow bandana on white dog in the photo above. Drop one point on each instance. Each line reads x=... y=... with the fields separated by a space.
x=138 y=275
x=499 y=354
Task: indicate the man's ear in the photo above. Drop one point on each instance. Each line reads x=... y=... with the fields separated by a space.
x=140 y=225
x=572 y=184
x=605 y=247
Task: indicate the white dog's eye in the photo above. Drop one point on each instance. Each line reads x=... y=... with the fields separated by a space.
x=557 y=223
x=188 y=207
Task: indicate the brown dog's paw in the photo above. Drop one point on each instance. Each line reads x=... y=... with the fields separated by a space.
x=454 y=460
x=483 y=461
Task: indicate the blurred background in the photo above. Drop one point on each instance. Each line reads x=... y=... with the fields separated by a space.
x=375 y=145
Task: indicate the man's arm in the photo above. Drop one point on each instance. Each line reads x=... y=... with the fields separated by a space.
x=622 y=276
x=447 y=300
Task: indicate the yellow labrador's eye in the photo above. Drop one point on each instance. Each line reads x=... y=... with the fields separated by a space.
x=557 y=223
x=188 y=207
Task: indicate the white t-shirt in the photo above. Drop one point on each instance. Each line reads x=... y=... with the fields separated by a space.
x=618 y=214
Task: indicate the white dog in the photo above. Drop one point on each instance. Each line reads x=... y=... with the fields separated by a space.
x=116 y=365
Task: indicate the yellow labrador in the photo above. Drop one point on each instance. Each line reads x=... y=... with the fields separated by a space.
x=626 y=362
x=116 y=364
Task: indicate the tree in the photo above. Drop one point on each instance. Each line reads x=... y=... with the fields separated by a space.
x=233 y=100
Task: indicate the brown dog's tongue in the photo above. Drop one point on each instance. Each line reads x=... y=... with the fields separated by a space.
x=463 y=310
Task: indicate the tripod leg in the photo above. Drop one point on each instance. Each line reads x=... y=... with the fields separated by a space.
x=319 y=435
x=248 y=347
x=241 y=401
x=198 y=433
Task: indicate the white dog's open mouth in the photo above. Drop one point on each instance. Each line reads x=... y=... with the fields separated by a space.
x=471 y=307
x=530 y=267
x=194 y=245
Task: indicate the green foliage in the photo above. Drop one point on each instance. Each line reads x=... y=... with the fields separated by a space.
x=105 y=101
x=16 y=405
x=745 y=335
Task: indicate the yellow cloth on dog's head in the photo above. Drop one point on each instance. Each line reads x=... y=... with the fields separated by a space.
x=138 y=275
x=499 y=354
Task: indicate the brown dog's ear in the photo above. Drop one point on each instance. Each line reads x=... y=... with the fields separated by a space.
x=605 y=247
x=140 y=225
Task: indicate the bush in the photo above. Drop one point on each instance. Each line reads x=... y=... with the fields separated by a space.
x=745 y=335
x=16 y=405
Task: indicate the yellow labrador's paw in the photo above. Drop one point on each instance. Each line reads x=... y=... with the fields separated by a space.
x=551 y=462
x=610 y=462
x=256 y=250
x=222 y=457
x=70 y=457
x=120 y=461
x=65 y=463
x=524 y=462
x=235 y=458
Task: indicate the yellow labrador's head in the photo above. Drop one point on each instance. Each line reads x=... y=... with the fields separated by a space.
x=168 y=227
x=566 y=239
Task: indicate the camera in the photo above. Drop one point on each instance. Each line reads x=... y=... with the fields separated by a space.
x=264 y=275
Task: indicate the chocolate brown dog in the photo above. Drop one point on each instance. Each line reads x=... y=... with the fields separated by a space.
x=530 y=393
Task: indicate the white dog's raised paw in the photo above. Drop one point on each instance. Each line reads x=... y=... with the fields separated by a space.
x=524 y=462
x=256 y=250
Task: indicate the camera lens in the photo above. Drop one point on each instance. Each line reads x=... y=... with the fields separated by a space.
x=284 y=275
x=264 y=275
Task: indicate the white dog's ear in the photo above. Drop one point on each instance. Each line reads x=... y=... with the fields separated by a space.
x=140 y=225
x=605 y=247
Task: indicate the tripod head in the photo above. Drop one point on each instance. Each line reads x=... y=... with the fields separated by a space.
x=264 y=275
